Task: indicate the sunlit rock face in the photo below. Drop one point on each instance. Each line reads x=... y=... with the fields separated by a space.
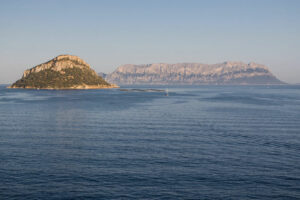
x=58 y=64
x=193 y=74
x=62 y=72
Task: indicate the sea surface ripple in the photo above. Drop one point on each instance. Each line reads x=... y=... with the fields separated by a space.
x=204 y=142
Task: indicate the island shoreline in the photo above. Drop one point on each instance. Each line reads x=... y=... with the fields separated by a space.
x=89 y=87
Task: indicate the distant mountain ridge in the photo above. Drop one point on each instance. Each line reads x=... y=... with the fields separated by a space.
x=192 y=74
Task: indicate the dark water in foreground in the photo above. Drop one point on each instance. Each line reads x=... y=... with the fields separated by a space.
x=207 y=142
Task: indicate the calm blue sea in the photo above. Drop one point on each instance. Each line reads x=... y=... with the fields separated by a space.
x=204 y=142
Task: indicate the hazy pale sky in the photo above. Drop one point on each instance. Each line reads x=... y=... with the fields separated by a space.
x=109 y=33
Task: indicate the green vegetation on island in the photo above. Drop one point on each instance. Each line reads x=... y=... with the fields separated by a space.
x=63 y=72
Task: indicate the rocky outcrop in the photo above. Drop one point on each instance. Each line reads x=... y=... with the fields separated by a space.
x=193 y=73
x=62 y=72
x=58 y=64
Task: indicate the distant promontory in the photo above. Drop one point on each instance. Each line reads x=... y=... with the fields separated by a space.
x=227 y=73
x=62 y=72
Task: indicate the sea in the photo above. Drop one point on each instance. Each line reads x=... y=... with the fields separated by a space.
x=173 y=142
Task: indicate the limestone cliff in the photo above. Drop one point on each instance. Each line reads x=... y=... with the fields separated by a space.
x=193 y=73
x=62 y=72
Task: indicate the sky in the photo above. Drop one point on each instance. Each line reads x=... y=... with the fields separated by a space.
x=107 y=34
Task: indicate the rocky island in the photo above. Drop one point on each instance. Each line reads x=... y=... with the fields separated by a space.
x=235 y=73
x=62 y=72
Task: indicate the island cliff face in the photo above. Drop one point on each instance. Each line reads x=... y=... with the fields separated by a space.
x=193 y=74
x=62 y=72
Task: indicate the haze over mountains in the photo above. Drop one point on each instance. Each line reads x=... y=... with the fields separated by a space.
x=237 y=73
x=71 y=72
